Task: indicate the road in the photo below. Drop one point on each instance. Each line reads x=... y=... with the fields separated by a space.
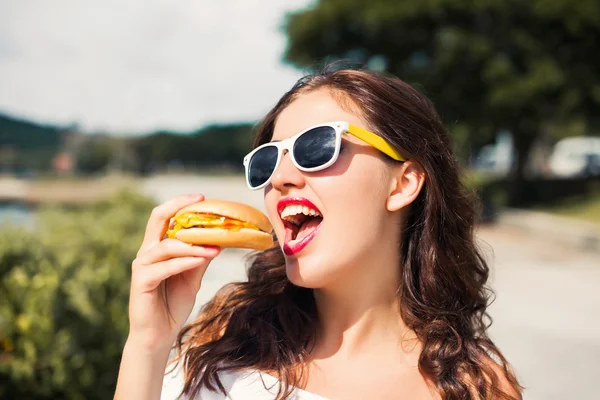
x=547 y=308
x=546 y=314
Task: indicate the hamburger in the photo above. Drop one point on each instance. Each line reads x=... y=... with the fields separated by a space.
x=222 y=223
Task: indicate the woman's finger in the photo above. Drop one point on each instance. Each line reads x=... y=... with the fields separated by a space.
x=171 y=226
x=161 y=216
x=148 y=279
x=172 y=248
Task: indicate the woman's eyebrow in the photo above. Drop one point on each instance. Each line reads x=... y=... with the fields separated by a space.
x=275 y=140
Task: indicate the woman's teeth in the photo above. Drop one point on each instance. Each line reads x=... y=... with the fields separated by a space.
x=290 y=212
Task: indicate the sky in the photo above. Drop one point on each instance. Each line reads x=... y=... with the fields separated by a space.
x=129 y=67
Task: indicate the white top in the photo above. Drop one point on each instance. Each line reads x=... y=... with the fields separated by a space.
x=246 y=385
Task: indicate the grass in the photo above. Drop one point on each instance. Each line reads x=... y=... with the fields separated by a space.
x=473 y=179
x=583 y=208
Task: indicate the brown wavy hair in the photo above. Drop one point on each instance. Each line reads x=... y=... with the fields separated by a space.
x=269 y=324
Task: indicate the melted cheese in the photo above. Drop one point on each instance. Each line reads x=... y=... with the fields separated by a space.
x=195 y=220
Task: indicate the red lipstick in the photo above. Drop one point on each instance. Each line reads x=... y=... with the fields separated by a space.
x=301 y=201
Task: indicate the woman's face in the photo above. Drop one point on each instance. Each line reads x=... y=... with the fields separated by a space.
x=350 y=195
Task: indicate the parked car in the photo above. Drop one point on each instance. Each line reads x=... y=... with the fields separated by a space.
x=495 y=159
x=576 y=157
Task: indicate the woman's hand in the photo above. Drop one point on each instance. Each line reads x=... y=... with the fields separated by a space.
x=166 y=276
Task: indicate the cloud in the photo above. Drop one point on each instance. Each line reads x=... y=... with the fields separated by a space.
x=138 y=65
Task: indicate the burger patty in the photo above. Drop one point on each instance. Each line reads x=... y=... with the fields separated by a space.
x=196 y=220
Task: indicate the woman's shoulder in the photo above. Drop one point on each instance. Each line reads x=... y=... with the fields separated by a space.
x=503 y=379
x=499 y=377
x=174 y=381
x=249 y=384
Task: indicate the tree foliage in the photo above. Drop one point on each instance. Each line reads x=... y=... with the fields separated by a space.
x=95 y=155
x=526 y=66
x=64 y=288
x=223 y=145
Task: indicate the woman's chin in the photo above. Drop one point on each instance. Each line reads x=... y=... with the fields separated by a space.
x=307 y=274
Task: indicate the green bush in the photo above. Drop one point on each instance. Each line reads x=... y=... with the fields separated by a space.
x=64 y=289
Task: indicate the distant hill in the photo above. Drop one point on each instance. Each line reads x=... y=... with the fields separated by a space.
x=26 y=146
x=27 y=135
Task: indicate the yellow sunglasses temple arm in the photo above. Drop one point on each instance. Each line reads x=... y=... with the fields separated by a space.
x=376 y=141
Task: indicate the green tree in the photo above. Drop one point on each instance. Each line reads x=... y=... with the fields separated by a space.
x=96 y=154
x=212 y=145
x=520 y=65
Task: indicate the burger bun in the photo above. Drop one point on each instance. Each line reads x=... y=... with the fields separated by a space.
x=244 y=238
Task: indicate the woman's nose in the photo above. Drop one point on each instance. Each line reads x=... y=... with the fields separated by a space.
x=287 y=175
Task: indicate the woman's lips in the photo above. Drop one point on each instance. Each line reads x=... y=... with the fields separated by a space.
x=291 y=201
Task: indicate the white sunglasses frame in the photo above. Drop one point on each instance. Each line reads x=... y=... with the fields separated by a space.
x=340 y=127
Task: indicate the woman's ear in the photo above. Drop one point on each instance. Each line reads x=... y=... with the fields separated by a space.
x=406 y=183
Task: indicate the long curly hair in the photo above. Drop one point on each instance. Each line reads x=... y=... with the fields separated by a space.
x=269 y=324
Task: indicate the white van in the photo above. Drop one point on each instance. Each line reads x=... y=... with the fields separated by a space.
x=576 y=156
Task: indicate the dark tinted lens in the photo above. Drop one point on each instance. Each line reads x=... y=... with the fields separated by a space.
x=315 y=147
x=262 y=165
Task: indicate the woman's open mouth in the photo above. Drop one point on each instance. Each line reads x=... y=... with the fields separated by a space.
x=301 y=220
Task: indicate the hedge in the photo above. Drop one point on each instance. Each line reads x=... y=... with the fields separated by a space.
x=64 y=287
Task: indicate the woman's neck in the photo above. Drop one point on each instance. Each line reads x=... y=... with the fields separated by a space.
x=360 y=313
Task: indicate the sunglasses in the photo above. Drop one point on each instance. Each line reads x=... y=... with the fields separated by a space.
x=313 y=149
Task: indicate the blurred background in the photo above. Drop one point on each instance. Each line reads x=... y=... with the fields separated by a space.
x=109 y=108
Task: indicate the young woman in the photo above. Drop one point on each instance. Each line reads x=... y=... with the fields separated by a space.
x=375 y=288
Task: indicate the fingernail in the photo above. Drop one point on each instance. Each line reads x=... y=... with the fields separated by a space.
x=195 y=196
x=215 y=248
